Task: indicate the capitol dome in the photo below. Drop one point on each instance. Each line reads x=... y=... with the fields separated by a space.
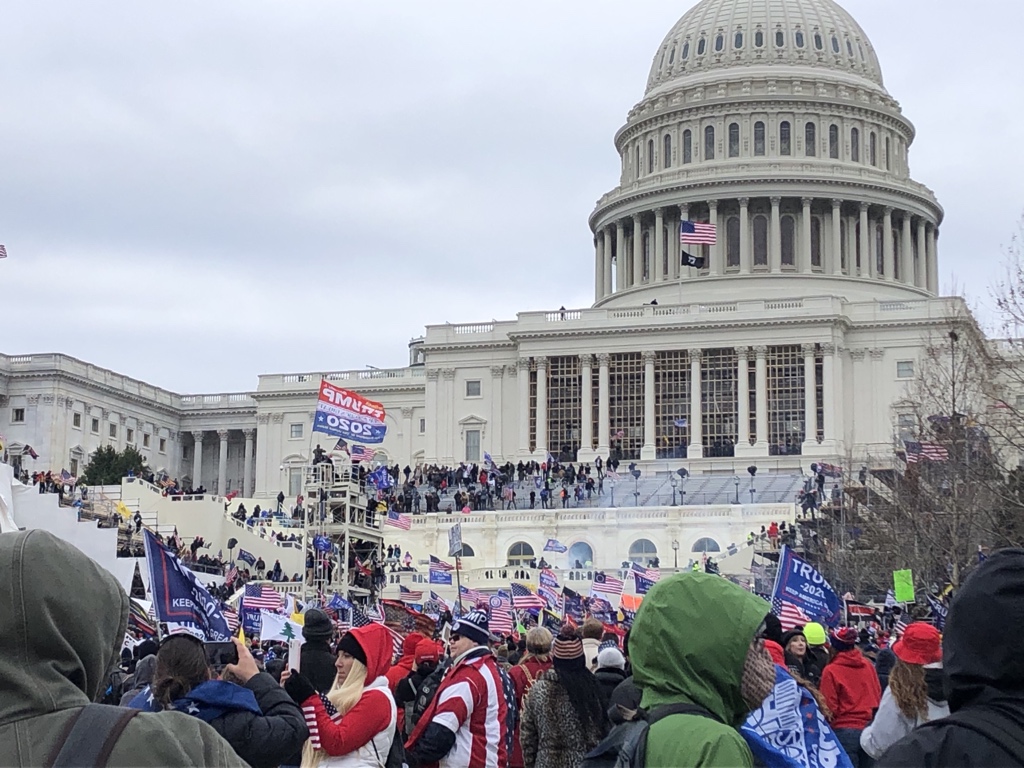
x=769 y=119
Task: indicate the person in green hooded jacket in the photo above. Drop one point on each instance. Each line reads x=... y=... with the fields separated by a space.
x=695 y=641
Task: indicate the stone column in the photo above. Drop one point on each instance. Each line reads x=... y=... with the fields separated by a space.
x=714 y=251
x=247 y=489
x=775 y=246
x=497 y=406
x=407 y=436
x=921 y=271
x=657 y=276
x=675 y=257
x=648 y=451
x=620 y=257
x=542 y=406
x=448 y=426
x=742 y=401
x=603 y=428
x=598 y=266
x=524 y=406
x=432 y=452
x=888 y=257
x=761 y=399
x=197 y=459
x=222 y=462
x=586 y=403
x=810 y=402
x=638 y=250
x=838 y=395
x=746 y=257
x=866 y=267
x=606 y=264
x=696 y=447
x=833 y=399
x=837 y=237
x=805 y=235
x=933 y=260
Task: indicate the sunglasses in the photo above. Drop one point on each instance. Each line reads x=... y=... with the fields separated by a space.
x=454 y=637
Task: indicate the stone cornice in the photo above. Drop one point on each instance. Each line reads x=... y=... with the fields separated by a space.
x=95 y=386
x=311 y=394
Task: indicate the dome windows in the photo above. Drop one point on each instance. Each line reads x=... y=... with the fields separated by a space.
x=636 y=165
x=798 y=39
x=810 y=140
x=732 y=242
x=855 y=145
x=672 y=56
x=719 y=42
x=785 y=138
x=819 y=43
x=888 y=154
x=686 y=51
x=873 y=149
x=833 y=141
x=759 y=39
x=666 y=155
x=780 y=38
x=737 y=41
x=788 y=232
x=734 y=139
x=815 y=242
x=687 y=147
x=702 y=46
x=759 y=138
x=760 y=241
x=835 y=44
x=709 y=143
x=650 y=155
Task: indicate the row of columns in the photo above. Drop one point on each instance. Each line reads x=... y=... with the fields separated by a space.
x=831 y=425
x=222 y=460
x=924 y=245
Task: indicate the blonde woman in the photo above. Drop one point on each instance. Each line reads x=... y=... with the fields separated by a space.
x=362 y=728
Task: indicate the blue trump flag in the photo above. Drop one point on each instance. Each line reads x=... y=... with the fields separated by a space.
x=380 y=478
x=440 y=577
x=252 y=623
x=939 y=613
x=246 y=557
x=178 y=597
x=799 y=583
x=554 y=545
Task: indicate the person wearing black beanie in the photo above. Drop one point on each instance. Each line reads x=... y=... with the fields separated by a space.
x=316 y=658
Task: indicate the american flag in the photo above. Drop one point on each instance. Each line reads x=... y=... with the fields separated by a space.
x=697 y=232
x=648 y=573
x=231 y=617
x=608 y=585
x=554 y=600
x=360 y=453
x=373 y=614
x=398 y=520
x=928 y=451
x=3 y=252
x=500 y=619
x=409 y=595
x=439 y=600
x=231 y=575
x=472 y=596
x=524 y=599
x=261 y=596
x=309 y=713
x=790 y=615
x=437 y=564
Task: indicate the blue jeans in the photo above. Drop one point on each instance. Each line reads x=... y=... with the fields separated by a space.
x=849 y=738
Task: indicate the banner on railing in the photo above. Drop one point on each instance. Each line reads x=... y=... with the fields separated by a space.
x=343 y=413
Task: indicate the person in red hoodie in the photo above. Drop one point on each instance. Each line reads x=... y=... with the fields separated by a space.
x=851 y=690
x=536 y=661
x=407 y=663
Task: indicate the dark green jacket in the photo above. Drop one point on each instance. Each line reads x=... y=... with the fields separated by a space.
x=62 y=624
x=689 y=644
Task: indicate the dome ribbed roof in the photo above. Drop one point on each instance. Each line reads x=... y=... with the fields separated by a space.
x=721 y=34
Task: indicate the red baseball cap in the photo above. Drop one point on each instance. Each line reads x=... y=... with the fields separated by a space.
x=427 y=650
x=921 y=644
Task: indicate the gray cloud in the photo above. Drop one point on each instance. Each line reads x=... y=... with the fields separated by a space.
x=198 y=193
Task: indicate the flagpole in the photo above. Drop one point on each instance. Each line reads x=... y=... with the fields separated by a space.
x=458 y=581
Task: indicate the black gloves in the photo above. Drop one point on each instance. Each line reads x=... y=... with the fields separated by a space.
x=298 y=687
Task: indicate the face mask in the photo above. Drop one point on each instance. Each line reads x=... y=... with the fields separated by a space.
x=758 y=675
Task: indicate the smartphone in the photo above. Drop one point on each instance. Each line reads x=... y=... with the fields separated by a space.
x=219 y=655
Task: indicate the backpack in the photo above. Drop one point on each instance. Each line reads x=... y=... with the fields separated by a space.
x=993 y=725
x=115 y=688
x=626 y=745
x=396 y=755
x=90 y=737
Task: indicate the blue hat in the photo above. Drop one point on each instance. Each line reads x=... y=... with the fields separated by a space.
x=474 y=626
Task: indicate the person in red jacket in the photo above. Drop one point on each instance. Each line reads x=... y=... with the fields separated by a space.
x=851 y=690
x=407 y=663
x=536 y=662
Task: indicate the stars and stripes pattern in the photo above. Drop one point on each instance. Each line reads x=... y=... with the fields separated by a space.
x=261 y=596
x=471 y=596
x=500 y=613
x=790 y=615
x=231 y=617
x=410 y=595
x=309 y=714
x=231 y=575
x=648 y=573
x=606 y=585
x=917 y=451
x=524 y=599
x=439 y=600
x=360 y=453
x=3 y=252
x=697 y=233
x=437 y=564
x=398 y=520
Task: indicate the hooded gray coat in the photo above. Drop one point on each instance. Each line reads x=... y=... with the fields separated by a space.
x=144 y=672
x=62 y=623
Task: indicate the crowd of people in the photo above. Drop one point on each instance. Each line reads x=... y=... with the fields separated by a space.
x=705 y=677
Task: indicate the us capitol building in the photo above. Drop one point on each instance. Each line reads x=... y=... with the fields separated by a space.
x=794 y=343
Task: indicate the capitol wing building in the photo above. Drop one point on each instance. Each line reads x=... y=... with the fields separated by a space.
x=792 y=341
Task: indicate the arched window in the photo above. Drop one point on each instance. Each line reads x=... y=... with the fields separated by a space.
x=637 y=164
x=650 y=155
x=798 y=38
x=855 y=144
x=647 y=256
x=844 y=247
x=737 y=41
x=810 y=140
x=686 y=50
x=835 y=44
x=759 y=138
x=759 y=39
x=860 y=48
x=873 y=149
x=788 y=227
x=833 y=141
x=666 y=155
x=581 y=553
x=664 y=251
x=879 y=252
x=706 y=545
x=672 y=56
x=780 y=38
x=687 y=146
x=849 y=47
x=761 y=241
x=819 y=44
x=719 y=42
x=732 y=241
x=709 y=143
x=642 y=551
x=702 y=45
x=857 y=244
x=466 y=551
x=785 y=140
x=888 y=154
x=734 y=139
x=815 y=242
x=520 y=553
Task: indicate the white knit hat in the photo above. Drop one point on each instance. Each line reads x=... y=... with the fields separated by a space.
x=611 y=657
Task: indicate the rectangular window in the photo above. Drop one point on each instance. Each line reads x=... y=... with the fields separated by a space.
x=163 y=445
x=565 y=400
x=76 y=421
x=185 y=452
x=719 y=401
x=294 y=481
x=95 y=426
x=423 y=426
x=905 y=369
x=472 y=445
x=18 y=416
x=112 y=430
x=473 y=389
x=130 y=435
x=626 y=405
x=671 y=403
x=295 y=431
x=145 y=440
x=74 y=467
x=786 y=427
x=906 y=426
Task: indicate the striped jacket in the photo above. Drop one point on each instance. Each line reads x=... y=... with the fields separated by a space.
x=473 y=703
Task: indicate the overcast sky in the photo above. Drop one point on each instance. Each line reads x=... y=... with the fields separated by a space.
x=195 y=193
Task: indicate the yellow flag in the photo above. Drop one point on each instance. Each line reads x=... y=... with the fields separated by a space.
x=123 y=511
x=241 y=634
x=299 y=619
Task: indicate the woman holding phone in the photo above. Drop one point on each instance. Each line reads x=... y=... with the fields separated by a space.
x=245 y=706
x=359 y=725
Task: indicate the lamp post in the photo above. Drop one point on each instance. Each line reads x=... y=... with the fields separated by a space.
x=736 y=482
x=752 y=470
x=674 y=482
x=675 y=552
x=636 y=487
x=682 y=474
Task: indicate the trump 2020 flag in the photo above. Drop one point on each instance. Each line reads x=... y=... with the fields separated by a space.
x=554 y=545
x=799 y=584
x=178 y=597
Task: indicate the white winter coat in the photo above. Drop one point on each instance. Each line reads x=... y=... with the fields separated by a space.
x=365 y=756
x=890 y=724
